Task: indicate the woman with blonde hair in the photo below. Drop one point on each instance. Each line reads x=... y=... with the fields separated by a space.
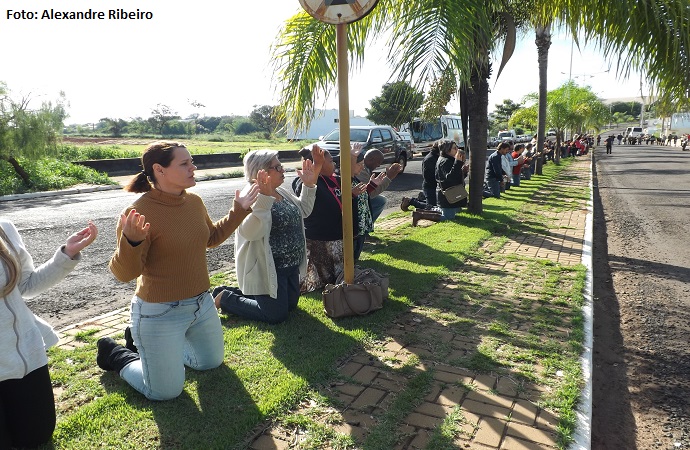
x=27 y=405
x=161 y=242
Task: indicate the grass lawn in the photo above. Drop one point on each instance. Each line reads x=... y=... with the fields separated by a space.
x=269 y=370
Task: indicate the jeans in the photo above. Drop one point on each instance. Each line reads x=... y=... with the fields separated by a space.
x=359 y=245
x=265 y=308
x=170 y=336
x=516 y=179
x=492 y=188
x=449 y=213
x=430 y=194
x=377 y=205
x=27 y=410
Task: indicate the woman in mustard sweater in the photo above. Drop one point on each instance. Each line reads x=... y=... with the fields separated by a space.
x=161 y=242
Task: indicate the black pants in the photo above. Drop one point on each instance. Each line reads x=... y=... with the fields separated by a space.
x=27 y=410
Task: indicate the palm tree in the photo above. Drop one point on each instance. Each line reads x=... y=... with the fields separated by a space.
x=428 y=37
x=543 y=42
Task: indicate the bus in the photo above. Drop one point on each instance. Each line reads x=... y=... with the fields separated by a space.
x=423 y=133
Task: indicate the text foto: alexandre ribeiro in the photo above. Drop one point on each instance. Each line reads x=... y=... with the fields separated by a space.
x=51 y=14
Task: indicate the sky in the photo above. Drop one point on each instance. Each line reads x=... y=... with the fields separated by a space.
x=217 y=54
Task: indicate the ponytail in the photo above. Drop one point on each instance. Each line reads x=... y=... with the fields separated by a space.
x=10 y=262
x=138 y=183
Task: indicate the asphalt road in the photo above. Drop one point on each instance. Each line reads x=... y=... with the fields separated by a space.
x=91 y=290
x=641 y=265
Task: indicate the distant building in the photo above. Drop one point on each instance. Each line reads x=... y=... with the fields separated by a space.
x=324 y=121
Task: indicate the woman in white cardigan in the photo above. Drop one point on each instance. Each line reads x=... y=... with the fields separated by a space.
x=27 y=406
x=270 y=247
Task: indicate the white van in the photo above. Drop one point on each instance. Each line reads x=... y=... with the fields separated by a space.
x=633 y=132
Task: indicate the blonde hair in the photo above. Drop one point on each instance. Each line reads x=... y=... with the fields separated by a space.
x=10 y=262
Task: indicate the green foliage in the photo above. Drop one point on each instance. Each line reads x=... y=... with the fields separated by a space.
x=266 y=118
x=83 y=153
x=397 y=104
x=243 y=127
x=440 y=93
x=47 y=174
x=28 y=132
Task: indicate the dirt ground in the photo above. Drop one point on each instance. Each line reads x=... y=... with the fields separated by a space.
x=641 y=392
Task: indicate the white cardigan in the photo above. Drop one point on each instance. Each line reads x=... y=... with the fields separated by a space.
x=256 y=271
x=23 y=336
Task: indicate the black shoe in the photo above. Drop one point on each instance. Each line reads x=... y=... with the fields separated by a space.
x=405 y=204
x=112 y=356
x=105 y=345
x=129 y=341
x=421 y=197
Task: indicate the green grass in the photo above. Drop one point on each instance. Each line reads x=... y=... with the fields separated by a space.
x=272 y=372
x=47 y=175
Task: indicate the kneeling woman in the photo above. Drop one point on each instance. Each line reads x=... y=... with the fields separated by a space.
x=270 y=248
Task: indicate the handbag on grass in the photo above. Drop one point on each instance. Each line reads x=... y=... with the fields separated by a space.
x=363 y=276
x=343 y=300
x=455 y=193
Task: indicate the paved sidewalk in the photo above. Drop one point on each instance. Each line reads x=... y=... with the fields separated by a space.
x=496 y=413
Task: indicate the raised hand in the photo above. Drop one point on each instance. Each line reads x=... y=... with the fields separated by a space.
x=393 y=170
x=318 y=154
x=80 y=240
x=377 y=178
x=356 y=147
x=309 y=174
x=134 y=226
x=248 y=199
x=263 y=181
x=358 y=189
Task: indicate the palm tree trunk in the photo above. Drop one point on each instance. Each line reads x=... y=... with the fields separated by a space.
x=478 y=105
x=543 y=41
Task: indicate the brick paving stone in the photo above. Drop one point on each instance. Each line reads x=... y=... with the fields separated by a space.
x=490 y=399
x=388 y=385
x=524 y=412
x=421 y=439
x=350 y=389
x=358 y=419
x=422 y=421
x=546 y=420
x=506 y=386
x=433 y=392
x=485 y=382
x=452 y=396
x=484 y=409
x=369 y=398
x=366 y=374
x=350 y=369
x=533 y=434
x=490 y=432
x=266 y=442
x=434 y=409
x=448 y=377
x=357 y=433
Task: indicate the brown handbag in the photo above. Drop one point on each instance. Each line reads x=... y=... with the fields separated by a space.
x=343 y=300
x=455 y=193
x=363 y=276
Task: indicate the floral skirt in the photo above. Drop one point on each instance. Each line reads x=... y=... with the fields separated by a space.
x=324 y=264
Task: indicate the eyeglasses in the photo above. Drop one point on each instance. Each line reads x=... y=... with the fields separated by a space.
x=277 y=168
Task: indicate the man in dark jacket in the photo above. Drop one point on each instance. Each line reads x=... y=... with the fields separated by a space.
x=494 y=171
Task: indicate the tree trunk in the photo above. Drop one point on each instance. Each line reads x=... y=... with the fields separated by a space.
x=543 y=41
x=478 y=105
x=20 y=170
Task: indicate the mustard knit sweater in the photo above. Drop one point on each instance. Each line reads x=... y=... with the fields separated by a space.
x=170 y=265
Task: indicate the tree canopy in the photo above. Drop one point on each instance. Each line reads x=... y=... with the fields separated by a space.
x=398 y=103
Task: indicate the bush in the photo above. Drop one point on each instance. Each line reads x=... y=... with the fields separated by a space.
x=46 y=175
x=244 y=127
x=82 y=153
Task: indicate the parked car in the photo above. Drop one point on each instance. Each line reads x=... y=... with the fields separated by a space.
x=384 y=138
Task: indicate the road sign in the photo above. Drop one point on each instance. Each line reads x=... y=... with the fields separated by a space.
x=338 y=11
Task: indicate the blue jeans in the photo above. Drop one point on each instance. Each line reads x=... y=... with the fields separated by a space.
x=449 y=213
x=430 y=194
x=492 y=188
x=170 y=336
x=377 y=205
x=359 y=245
x=516 y=179
x=265 y=308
